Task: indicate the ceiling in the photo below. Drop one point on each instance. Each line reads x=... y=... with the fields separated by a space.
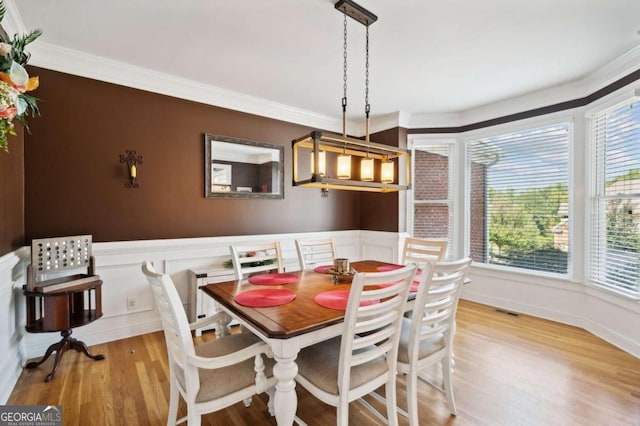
x=426 y=57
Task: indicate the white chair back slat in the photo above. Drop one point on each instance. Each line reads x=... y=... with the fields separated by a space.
x=252 y=259
x=433 y=317
x=314 y=252
x=420 y=250
x=372 y=330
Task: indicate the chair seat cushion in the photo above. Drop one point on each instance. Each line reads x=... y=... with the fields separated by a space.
x=223 y=381
x=427 y=346
x=319 y=365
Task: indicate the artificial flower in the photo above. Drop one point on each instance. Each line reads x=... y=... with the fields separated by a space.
x=5 y=49
x=15 y=82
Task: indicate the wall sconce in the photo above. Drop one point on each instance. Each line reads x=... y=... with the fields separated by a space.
x=131 y=160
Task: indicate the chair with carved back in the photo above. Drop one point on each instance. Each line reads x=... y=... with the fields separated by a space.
x=62 y=292
x=212 y=375
x=315 y=252
x=343 y=369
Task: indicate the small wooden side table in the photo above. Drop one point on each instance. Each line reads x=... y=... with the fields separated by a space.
x=63 y=310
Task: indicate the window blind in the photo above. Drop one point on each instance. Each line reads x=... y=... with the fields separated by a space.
x=615 y=216
x=518 y=195
x=432 y=200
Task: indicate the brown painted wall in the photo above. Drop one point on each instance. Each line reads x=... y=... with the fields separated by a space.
x=75 y=182
x=378 y=211
x=12 y=194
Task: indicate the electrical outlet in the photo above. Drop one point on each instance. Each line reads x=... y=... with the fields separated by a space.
x=132 y=302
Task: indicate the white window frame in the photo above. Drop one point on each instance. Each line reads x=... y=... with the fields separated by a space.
x=624 y=97
x=454 y=191
x=515 y=126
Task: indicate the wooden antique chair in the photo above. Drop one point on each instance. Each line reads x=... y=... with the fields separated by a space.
x=62 y=292
x=212 y=375
x=253 y=258
x=315 y=252
x=364 y=358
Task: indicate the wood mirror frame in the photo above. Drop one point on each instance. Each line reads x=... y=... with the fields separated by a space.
x=242 y=168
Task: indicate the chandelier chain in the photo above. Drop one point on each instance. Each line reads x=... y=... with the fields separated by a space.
x=344 y=66
x=367 y=107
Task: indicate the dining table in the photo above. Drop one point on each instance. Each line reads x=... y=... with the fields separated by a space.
x=289 y=327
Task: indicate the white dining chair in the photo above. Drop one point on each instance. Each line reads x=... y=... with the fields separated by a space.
x=212 y=375
x=345 y=368
x=253 y=258
x=427 y=337
x=315 y=252
x=419 y=250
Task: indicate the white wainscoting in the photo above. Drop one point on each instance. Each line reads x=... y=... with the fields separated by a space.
x=118 y=264
x=10 y=326
x=612 y=318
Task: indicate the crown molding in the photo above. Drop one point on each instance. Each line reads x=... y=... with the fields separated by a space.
x=12 y=21
x=71 y=61
x=577 y=89
x=78 y=63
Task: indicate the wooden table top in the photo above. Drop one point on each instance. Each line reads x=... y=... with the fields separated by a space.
x=299 y=316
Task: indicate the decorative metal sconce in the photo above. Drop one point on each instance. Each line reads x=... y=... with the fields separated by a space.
x=131 y=160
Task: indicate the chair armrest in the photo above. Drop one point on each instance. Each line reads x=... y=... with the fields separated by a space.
x=218 y=316
x=229 y=359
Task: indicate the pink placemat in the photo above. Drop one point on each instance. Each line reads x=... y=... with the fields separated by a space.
x=273 y=279
x=265 y=297
x=413 y=289
x=337 y=299
x=387 y=268
x=322 y=269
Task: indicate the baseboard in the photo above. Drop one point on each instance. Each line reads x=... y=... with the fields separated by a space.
x=523 y=308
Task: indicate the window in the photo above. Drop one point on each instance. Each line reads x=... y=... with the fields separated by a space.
x=518 y=199
x=615 y=200
x=431 y=208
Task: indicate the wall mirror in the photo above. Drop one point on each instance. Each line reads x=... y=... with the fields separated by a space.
x=241 y=168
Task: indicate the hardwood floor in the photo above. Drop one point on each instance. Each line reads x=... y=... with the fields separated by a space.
x=509 y=371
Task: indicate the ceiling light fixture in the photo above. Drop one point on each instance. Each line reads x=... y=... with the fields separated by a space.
x=343 y=148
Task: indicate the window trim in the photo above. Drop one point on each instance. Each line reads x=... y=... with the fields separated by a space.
x=455 y=180
x=530 y=123
x=620 y=100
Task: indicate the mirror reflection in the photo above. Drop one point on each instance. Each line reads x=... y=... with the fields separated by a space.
x=240 y=168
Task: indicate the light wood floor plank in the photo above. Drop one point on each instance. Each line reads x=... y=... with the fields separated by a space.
x=509 y=371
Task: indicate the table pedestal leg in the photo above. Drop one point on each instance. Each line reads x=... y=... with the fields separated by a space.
x=59 y=348
x=286 y=400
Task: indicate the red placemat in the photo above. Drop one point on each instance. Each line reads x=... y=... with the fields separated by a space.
x=273 y=279
x=322 y=269
x=413 y=289
x=337 y=299
x=386 y=268
x=265 y=297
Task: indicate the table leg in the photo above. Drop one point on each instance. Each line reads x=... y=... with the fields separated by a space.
x=222 y=328
x=286 y=399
